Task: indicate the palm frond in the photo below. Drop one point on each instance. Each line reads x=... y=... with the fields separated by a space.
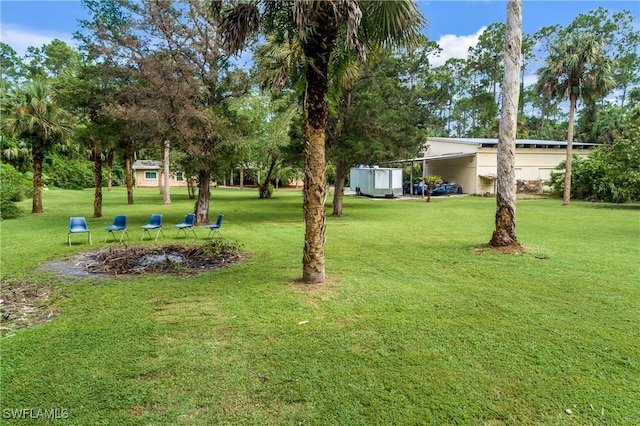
x=391 y=23
x=237 y=24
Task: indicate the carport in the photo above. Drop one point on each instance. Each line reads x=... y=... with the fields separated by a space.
x=458 y=167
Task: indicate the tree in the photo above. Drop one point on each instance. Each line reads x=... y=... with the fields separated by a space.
x=11 y=66
x=177 y=76
x=576 y=63
x=621 y=42
x=485 y=57
x=430 y=181
x=319 y=26
x=379 y=117
x=266 y=123
x=505 y=232
x=30 y=113
x=83 y=90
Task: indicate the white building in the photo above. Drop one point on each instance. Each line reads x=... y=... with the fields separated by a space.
x=472 y=163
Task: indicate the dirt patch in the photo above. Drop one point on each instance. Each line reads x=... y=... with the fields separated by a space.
x=514 y=249
x=72 y=268
x=172 y=259
x=24 y=304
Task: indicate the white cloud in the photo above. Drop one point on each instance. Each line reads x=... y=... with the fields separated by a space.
x=454 y=46
x=20 y=38
x=530 y=79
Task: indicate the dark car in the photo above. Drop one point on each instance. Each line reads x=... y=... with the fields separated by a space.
x=438 y=189
x=416 y=189
x=446 y=189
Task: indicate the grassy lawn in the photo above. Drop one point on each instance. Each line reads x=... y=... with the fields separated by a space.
x=413 y=327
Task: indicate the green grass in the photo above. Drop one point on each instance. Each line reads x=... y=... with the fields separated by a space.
x=413 y=326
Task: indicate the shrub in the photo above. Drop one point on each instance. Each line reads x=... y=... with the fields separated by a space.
x=76 y=173
x=610 y=173
x=69 y=173
x=14 y=187
x=220 y=246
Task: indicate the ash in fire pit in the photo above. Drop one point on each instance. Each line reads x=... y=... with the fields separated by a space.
x=155 y=260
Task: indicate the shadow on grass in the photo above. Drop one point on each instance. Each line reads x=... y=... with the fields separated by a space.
x=619 y=206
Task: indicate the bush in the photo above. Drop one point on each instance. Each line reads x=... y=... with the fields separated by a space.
x=610 y=173
x=68 y=173
x=76 y=173
x=14 y=187
x=220 y=246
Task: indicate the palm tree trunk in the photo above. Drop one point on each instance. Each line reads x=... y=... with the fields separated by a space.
x=202 y=204
x=313 y=267
x=38 y=159
x=338 y=196
x=566 y=197
x=128 y=177
x=505 y=220
x=317 y=50
x=97 y=175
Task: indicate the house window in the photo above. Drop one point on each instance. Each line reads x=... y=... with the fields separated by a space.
x=179 y=176
x=151 y=175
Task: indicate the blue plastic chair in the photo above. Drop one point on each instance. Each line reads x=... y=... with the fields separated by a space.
x=155 y=222
x=78 y=225
x=215 y=228
x=187 y=225
x=119 y=224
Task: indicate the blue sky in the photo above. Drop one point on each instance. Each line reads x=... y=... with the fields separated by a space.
x=454 y=24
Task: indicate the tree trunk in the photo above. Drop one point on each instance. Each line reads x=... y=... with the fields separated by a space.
x=38 y=159
x=313 y=268
x=317 y=50
x=167 y=177
x=202 y=204
x=191 y=188
x=263 y=187
x=505 y=231
x=109 y=169
x=338 y=195
x=128 y=177
x=97 y=172
x=566 y=197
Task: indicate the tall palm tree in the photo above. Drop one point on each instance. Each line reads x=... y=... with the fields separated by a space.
x=574 y=67
x=505 y=231
x=320 y=26
x=31 y=114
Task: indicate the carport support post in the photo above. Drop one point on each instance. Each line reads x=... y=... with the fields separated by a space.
x=424 y=174
x=411 y=180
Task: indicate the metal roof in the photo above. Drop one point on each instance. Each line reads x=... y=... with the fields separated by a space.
x=446 y=156
x=146 y=165
x=494 y=141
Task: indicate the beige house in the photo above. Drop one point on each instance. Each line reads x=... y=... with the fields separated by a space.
x=472 y=163
x=150 y=174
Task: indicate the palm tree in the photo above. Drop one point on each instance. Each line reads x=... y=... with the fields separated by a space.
x=574 y=67
x=320 y=26
x=31 y=114
x=505 y=232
